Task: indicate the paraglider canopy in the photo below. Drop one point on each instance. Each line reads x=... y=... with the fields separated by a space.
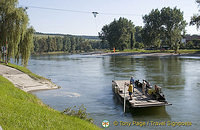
x=95 y=14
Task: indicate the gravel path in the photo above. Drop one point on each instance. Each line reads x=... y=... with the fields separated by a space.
x=24 y=81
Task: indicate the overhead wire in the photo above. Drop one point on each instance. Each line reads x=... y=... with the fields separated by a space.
x=57 y=9
x=77 y=11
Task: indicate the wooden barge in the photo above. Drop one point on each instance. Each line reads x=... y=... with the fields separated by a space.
x=139 y=100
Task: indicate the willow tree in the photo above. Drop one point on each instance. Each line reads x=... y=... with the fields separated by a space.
x=14 y=31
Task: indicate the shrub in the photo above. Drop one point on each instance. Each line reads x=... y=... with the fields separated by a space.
x=139 y=45
x=80 y=113
x=190 y=45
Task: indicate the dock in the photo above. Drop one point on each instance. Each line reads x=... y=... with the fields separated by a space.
x=138 y=99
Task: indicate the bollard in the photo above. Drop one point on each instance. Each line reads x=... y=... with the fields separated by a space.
x=124 y=98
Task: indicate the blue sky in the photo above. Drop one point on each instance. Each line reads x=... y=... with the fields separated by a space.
x=52 y=21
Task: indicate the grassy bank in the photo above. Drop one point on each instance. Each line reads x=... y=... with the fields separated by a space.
x=21 y=110
x=158 y=51
x=181 y=51
x=50 y=53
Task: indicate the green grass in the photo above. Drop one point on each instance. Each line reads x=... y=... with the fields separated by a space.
x=157 y=51
x=50 y=53
x=192 y=51
x=21 y=110
x=141 y=51
x=135 y=51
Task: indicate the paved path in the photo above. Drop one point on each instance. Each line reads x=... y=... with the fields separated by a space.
x=24 y=81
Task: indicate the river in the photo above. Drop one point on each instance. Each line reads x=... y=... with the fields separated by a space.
x=87 y=80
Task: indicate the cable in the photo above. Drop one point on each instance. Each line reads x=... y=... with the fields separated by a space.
x=76 y=11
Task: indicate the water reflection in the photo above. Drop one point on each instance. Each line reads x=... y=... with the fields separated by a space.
x=164 y=71
x=153 y=112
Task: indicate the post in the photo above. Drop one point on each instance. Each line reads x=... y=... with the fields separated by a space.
x=124 y=98
x=6 y=52
x=114 y=67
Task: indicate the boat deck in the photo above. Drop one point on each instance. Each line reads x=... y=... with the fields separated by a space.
x=138 y=99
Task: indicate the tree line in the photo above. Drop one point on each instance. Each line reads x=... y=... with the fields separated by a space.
x=69 y=44
x=163 y=27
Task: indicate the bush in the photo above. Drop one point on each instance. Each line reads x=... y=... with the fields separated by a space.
x=139 y=45
x=80 y=113
x=190 y=45
x=182 y=46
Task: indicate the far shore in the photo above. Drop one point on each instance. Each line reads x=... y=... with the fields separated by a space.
x=128 y=52
x=142 y=54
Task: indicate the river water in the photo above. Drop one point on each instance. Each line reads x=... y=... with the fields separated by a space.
x=87 y=80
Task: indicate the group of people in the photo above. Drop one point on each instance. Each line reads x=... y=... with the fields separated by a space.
x=131 y=87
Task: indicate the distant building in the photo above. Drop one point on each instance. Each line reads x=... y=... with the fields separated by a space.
x=183 y=40
x=188 y=38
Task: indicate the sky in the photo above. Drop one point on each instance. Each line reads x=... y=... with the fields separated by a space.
x=83 y=21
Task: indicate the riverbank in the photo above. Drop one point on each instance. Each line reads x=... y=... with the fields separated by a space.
x=21 y=110
x=149 y=53
x=50 y=53
x=129 y=52
x=23 y=79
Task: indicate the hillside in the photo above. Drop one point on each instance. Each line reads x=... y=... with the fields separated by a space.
x=62 y=35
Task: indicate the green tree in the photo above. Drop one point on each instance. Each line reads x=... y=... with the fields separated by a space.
x=166 y=25
x=36 y=44
x=48 y=41
x=66 y=44
x=182 y=46
x=139 y=45
x=173 y=25
x=138 y=33
x=195 y=19
x=43 y=46
x=59 y=43
x=25 y=47
x=53 y=44
x=118 y=33
x=189 y=45
x=14 y=30
x=152 y=30
x=86 y=46
x=73 y=44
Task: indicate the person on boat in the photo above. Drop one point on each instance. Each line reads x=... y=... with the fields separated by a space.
x=130 y=90
x=156 y=89
x=138 y=84
x=148 y=85
x=143 y=87
x=132 y=80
